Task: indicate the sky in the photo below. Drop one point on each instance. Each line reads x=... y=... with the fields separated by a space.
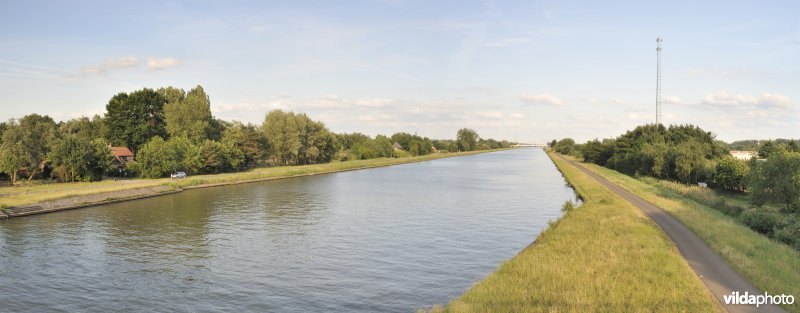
x=525 y=71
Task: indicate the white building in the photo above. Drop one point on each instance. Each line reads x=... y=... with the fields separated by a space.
x=743 y=155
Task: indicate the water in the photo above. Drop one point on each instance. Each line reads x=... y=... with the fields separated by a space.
x=390 y=239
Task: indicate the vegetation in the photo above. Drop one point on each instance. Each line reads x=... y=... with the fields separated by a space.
x=187 y=115
x=171 y=130
x=133 y=119
x=686 y=155
x=75 y=158
x=767 y=263
x=39 y=191
x=604 y=256
x=467 y=139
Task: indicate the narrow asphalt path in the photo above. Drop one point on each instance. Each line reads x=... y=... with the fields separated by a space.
x=712 y=269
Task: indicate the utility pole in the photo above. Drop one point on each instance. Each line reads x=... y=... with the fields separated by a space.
x=658 y=80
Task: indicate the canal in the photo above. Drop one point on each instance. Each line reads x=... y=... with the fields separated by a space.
x=390 y=239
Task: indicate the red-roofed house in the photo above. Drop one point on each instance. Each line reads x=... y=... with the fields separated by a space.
x=122 y=155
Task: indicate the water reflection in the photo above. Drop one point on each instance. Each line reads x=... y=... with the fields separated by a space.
x=390 y=239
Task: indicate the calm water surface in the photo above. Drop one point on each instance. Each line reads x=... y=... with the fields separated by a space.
x=389 y=239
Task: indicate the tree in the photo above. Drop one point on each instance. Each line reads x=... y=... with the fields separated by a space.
x=187 y=155
x=172 y=94
x=688 y=161
x=156 y=159
x=404 y=139
x=282 y=133
x=218 y=157
x=188 y=116
x=731 y=174
x=83 y=127
x=296 y=139
x=776 y=180
x=566 y=146
x=596 y=152
x=249 y=140
x=467 y=139
x=768 y=148
x=76 y=158
x=383 y=145
x=26 y=144
x=133 y=119
x=415 y=148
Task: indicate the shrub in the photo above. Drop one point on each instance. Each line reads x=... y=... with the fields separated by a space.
x=790 y=234
x=760 y=221
x=568 y=206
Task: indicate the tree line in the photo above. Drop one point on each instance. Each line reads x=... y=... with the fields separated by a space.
x=690 y=155
x=169 y=130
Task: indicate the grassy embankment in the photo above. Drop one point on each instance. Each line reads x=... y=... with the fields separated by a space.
x=769 y=265
x=603 y=256
x=23 y=195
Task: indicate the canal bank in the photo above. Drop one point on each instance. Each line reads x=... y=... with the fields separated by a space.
x=605 y=255
x=161 y=187
x=766 y=263
x=388 y=239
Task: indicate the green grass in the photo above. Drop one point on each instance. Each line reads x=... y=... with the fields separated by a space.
x=769 y=265
x=40 y=192
x=604 y=256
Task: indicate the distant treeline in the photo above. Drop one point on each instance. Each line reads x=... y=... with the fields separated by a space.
x=171 y=130
x=689 y=155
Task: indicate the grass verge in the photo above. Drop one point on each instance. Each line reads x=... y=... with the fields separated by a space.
x=769 y=265
x=24 y=195
x=604 y=256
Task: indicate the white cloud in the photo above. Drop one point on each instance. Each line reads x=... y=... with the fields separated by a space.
x=766 y=100
x=516 y=115
x=491 y=114
x=372 y=103
x=111 y=64
x=248 y=107
x=617 y=101
x=542 y=99
x=775 y=100
x=162 y=63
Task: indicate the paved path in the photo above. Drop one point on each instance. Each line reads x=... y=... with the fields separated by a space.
x=712 y=269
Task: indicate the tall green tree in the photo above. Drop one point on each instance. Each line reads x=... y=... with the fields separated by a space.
x=248 y=139
x=132 y=119
x=467 y=139
x=220 y=157
x=188 y=116
x=76 y=158
x=83 y=127
x=157 y=159
x=777 y=180
x=26 y=144
x=731 y=174
x=296 y=139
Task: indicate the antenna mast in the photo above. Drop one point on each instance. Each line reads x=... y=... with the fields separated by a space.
x=658 y=80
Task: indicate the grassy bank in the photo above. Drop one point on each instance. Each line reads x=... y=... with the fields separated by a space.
x=24 y=195
x=769 y=265
x=603 y=256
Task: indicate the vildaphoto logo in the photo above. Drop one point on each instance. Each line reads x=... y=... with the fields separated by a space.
x=757 y=299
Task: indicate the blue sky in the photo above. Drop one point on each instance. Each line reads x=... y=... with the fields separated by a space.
x=518 y=70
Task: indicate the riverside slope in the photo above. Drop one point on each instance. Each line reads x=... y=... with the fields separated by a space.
x=711 y=268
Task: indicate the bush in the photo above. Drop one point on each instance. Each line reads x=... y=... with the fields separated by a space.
x=790 y=234
x=761 y=221
x=568 y=206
